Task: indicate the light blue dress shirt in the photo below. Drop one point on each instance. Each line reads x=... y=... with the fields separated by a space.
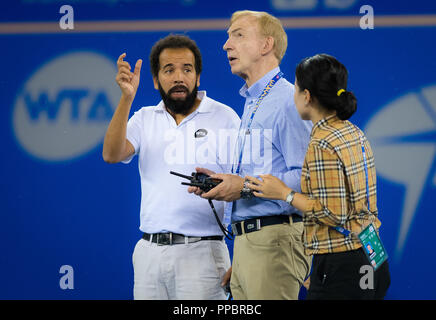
x=275 y=144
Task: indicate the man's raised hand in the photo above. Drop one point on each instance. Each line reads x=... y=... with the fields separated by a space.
x=127 y=80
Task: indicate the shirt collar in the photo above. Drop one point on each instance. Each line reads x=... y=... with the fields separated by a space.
x=256 y=89
x=324 y=122
x=202 y=108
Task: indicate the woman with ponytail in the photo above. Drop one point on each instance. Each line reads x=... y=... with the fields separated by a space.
x=338 y=184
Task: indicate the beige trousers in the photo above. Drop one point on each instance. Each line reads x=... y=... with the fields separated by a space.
x=269 y=264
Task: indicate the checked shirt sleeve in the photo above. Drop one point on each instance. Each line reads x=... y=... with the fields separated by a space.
x=325 y=181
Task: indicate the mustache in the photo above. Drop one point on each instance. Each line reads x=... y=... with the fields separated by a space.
x=178 y=88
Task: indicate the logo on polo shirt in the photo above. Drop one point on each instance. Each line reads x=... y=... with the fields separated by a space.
x=200 y=133
x=64 y=108
x=403 y=137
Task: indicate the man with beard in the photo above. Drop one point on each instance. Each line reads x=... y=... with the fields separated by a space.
x=182 y=254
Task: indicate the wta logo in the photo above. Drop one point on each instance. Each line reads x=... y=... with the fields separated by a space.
x=64 y=108
x=403 y=137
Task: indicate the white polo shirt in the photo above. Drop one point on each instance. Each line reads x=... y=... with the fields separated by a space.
x=206 y=139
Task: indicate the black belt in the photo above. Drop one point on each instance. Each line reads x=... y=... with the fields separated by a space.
x=251 y=225
x=175 y=238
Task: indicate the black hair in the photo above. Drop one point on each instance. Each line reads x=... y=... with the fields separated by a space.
x=174 y=41
x=323 y=76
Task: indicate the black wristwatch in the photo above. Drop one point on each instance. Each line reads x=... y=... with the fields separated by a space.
x=246 y=192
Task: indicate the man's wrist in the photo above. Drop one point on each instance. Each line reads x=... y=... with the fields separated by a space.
x=126 y=99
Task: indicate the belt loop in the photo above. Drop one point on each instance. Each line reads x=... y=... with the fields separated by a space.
x=186 y=240
x=171 y=238
x=258 y=224
x=151 y=238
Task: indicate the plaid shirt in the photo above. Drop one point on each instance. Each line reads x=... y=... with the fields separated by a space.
x=333 y=177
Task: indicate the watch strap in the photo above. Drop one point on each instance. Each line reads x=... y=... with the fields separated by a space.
x=290 y=197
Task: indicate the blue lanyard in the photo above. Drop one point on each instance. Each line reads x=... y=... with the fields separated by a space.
x=342 y=230
x=264 y=93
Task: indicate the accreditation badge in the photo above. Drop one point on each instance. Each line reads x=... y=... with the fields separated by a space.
x=372 y=246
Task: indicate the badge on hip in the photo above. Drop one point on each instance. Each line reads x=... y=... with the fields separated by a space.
x=372 y=246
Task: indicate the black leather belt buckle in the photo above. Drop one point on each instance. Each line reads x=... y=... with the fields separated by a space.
x=252 y=225
x=164 y=239
x=237 y=228
x=248 y=226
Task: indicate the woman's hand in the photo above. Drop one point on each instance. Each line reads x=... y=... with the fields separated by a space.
x=269 y=187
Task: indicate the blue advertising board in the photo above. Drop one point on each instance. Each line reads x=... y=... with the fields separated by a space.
x=63 y=207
